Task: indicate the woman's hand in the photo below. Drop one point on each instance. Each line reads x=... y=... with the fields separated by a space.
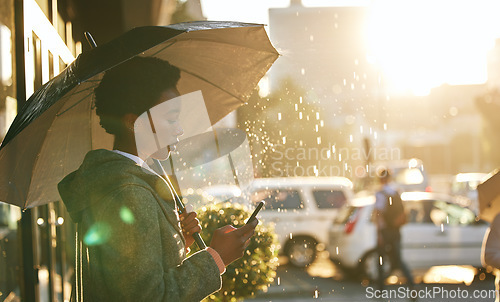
x=231 y=242
x=189 y=224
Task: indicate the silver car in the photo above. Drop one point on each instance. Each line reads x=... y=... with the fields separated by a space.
x=441 y=230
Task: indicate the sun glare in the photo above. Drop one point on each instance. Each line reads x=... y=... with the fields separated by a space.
x=423 y=44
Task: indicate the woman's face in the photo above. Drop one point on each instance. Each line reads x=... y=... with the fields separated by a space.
x=167 y=129
x=167 y=122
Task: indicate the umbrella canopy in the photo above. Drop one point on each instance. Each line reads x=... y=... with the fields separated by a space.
x=489 y=197
x=58 y=125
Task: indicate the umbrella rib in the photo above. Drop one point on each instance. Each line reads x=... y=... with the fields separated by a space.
x=76 y=103
x=167 y=46
x=80 y=91
x=209 y=82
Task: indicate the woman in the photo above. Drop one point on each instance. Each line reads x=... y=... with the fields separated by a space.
x=135 y=241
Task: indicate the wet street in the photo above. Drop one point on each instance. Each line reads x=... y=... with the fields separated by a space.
x=324 y=282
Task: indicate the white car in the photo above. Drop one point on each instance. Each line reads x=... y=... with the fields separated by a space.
x=441 y=230
x=302 y=210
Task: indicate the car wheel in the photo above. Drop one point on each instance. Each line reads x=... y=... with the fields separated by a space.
x=370 y=263
x=301 y=251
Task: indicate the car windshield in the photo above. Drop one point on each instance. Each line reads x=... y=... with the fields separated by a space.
x=329 y=199
x=281 y=200
x=438 y=212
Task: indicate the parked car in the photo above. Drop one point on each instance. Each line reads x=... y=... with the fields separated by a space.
x=302 y=210
x=441 y=230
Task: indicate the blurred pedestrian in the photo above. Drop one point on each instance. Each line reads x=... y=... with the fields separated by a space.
x=134 y=241
x=490 y=252
x=390 y=216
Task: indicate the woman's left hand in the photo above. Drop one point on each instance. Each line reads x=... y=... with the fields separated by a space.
x=189 y=224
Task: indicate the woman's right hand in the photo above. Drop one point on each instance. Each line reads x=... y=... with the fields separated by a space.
x=231 y=242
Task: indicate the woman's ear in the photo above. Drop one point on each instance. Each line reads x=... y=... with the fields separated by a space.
x=129 y=120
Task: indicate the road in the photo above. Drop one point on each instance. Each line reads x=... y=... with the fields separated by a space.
x=324 y=282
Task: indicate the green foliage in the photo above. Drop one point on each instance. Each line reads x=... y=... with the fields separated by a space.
x=257 y=268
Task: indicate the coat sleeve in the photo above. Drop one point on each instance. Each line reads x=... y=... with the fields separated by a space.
x=131 y=260
x=491 y=245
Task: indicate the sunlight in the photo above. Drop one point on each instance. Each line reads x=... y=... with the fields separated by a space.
x=423 y=44
x=450 y=274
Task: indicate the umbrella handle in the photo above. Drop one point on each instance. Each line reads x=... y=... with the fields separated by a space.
x=196 y=236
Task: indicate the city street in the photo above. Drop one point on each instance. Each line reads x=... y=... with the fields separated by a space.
x=324 y=282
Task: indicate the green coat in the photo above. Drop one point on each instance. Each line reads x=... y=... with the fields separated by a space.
x=129 y=223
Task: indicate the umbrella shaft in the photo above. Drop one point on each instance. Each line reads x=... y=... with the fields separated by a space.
x=181 y=208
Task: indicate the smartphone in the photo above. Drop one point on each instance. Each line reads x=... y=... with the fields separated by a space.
x=256 y=211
